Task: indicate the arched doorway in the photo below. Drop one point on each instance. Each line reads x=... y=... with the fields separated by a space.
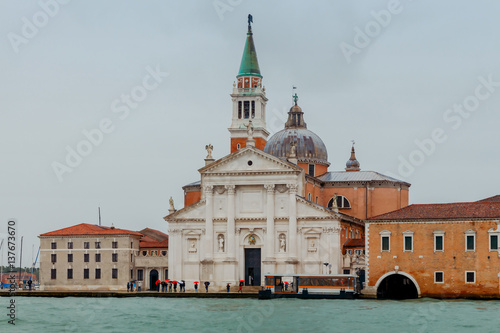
x=397 y=286
x=153 y=277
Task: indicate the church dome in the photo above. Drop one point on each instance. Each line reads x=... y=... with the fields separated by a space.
x=309 y=148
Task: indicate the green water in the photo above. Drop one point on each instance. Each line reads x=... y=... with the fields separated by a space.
x=249 y=315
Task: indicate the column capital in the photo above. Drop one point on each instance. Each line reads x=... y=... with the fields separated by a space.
x=209 y=189
x=269 y=188
x=231 y=189
x=293 y=188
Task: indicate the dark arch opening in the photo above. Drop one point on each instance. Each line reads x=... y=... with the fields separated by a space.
x=397 y=286
x=153 y=277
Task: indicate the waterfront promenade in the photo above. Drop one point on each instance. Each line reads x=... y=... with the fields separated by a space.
x=124 y=294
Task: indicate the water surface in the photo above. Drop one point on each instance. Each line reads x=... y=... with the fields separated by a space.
x=70 y=314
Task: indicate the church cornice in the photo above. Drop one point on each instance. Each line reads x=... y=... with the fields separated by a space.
x=244 y=151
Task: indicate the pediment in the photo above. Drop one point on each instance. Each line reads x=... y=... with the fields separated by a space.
x=191 y=212
x=307 y=209
x=249 y=160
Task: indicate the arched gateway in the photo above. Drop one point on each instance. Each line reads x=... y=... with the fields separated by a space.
x=397 y=285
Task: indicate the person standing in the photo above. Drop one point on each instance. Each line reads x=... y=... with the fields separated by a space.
x=196 y=287
x=128 y=286
x=228 y=287
x=169 y=286
x=29 y=284
x=175 y=286
x=206 y=285
x=240 y=288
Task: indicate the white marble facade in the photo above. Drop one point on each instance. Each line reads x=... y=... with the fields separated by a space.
x=252 y=200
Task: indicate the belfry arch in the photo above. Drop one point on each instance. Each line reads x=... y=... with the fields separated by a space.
x=397 y=285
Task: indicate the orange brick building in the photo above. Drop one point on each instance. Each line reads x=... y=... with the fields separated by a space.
x=435 y=250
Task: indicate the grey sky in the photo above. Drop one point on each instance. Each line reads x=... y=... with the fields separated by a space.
x=396 y=89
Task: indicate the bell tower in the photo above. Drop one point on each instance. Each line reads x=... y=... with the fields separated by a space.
x=249 y=99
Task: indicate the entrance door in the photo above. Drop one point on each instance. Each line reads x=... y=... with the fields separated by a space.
x=153 y=277
x=252 y=267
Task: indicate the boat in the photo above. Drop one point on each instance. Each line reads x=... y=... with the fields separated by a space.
x=310 y=286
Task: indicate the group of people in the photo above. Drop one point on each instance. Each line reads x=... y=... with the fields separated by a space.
x=132 y=285
x=166 y=286
x=171 y=286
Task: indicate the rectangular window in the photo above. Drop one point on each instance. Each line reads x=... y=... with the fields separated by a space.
x=86 y=257
x=70 y=245
x=70 y=273
x=114 y=273
x=53 y=274
x=253 y=109
x=470 y=277
x=239 y=110
x=86 y=245
x=494 y=242
x=385 y=243
x=97 y=257
x=53 y=245
x=166 y=274
x=347 y=271
x=97 y=245
x=470 y=243
x=85 y=273
x=114 y=245
x=53 y=257
x=140 y=274
x=114 y=257
x=408 y=243
x=438 y=277
x=246 y=109
x=70 y=257
x=97 y=273
x=311 y=170
x=131 y=274
x=438 y=243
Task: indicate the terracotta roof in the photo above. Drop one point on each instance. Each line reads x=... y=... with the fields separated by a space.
x=153 y=239
x=457 y=210
x=90 y=229
x=490 y=199
x=355 y=242
x=154 y=244
x=154 y=234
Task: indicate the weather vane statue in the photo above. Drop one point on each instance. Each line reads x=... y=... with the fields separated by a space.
x=250 y=20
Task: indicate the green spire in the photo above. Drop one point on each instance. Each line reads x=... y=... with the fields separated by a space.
x=249 y=63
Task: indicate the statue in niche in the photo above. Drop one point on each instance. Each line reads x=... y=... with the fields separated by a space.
x=282 y=240
x=192 y=248
x=221 y=243
x=171 y=202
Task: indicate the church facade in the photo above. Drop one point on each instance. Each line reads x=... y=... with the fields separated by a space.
x=271 y=205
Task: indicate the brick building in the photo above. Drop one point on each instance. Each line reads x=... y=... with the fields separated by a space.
x=437 y=250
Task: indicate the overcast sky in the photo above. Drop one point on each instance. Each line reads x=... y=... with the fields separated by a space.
x=383 y=73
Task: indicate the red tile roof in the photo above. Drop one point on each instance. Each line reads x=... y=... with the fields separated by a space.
x=457 y=210
x=154 y=234
x=153 y=239
x=490 y=199
x=90 y=229
x=355 y=242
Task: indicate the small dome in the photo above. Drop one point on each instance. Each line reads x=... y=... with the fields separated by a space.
x=352 y=164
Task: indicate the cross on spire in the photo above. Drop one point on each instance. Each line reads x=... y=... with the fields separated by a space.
x=295 y=98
